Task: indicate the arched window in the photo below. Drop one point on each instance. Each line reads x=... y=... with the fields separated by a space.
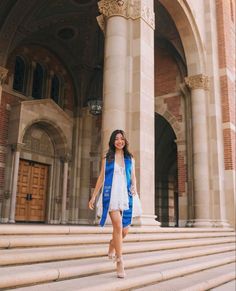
x=37 y=90
x=55 y=88
x=19 y=75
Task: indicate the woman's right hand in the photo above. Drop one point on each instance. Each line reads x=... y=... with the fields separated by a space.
x=91 y=203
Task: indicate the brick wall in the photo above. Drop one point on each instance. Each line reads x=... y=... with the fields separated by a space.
x=167 y=79
x=225 y=12
x=6 y=100
x=167 y=74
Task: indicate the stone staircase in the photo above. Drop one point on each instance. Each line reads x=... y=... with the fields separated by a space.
x=68 y=258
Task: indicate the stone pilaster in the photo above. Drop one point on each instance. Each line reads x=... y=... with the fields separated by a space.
x=65 y=161
x=16 y=159
x=3 y=75
x=85 y=216
x=199 y=86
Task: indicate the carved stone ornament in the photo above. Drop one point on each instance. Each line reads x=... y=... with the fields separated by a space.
x=101 y=22
x=197 y=82
x=3 y=74
x=133 y=9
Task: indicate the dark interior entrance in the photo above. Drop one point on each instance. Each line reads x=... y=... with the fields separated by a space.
x=166 y=175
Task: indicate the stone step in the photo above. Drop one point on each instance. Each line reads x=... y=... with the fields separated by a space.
x=10 y=241
x=22 y=229
x=200 y=281
x=27 y=274
x=137 y=277
x=230 y=286
x=55 y=253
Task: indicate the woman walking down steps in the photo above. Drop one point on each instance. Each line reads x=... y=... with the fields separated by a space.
x=118 y=182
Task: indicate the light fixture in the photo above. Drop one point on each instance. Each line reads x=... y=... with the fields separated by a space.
x=94 y=96
x=95 y=106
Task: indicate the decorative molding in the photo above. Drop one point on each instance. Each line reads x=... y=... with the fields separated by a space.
x=129 y=9
x=3 y=75
x=197 y=82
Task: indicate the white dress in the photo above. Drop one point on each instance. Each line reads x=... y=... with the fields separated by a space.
x=119 y=194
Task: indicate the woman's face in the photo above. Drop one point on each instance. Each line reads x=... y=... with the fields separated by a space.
x=119 y=141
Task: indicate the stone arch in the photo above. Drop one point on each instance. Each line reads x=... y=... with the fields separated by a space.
x=172 y=120
x=54 y=131
x=189 y=34
x=36 y=140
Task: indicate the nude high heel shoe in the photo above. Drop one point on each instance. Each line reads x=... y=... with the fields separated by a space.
x=120 y=268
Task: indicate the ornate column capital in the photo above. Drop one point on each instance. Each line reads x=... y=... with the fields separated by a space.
x=66 y=158
x=3 y=74
x=199 y=81
x=17 y=147
x=129 y=9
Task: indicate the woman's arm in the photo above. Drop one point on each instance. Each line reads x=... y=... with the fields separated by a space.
x=133 y=179
x=98 y=185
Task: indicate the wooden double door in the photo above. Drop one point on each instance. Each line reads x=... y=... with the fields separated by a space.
x=31 y=191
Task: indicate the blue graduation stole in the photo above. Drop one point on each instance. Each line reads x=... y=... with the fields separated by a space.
x=106 y=195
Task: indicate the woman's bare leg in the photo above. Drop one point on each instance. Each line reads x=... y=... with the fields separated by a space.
x=112 y=247
x=117 y=231
x=116 y=219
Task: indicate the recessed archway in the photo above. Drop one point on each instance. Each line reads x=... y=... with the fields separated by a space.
x=166 y=176
x=189 y=33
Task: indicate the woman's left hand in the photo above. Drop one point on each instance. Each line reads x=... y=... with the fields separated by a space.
x=91 y=203
x=133 y=190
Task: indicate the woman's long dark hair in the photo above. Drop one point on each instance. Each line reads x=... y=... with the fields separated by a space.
x=110 y=155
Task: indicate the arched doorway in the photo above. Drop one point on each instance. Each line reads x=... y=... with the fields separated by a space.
x=33 y=177
x=40 y=147
x=166 y=175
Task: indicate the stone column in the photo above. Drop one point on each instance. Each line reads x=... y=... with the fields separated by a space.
x=3 y=75
x=64 y=189
x=16 y=158
x=199 y=85
x=129 y=87
x=189 y=155
x=115 y=60
x=183 y=189
x=76 y=170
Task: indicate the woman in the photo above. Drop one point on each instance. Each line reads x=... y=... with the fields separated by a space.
x=118 y=179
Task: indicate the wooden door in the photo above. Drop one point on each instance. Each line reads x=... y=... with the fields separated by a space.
x=22 y=190
x=31 y=193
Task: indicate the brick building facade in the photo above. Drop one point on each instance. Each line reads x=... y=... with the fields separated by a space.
x=165 y=72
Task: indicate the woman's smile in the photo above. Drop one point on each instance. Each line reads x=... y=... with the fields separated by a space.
x=119 y=141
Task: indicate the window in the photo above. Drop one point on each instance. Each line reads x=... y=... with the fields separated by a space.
x=55 y=88
x=38 y=76
x=19 y=75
